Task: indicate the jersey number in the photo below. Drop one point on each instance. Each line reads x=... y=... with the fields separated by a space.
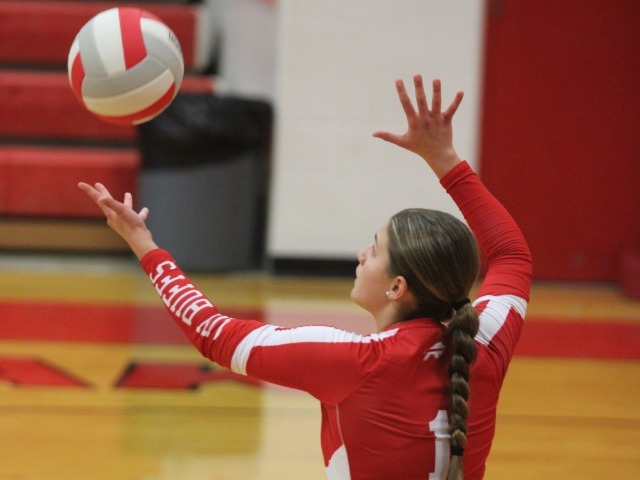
x=439 y=426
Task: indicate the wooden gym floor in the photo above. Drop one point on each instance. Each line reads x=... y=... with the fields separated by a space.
x=97 y=383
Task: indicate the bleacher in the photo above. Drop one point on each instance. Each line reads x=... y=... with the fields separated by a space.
x=49 y=142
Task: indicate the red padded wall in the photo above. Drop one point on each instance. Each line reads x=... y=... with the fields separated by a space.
x=41 y=105
x=560 y=142
x=41 y=32
x=42 y=181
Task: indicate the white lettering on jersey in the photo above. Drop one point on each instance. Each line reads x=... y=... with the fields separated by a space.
x=193 y=308
x=205 y=328
x=171 y=293
x=183 y=300
x=161 y=268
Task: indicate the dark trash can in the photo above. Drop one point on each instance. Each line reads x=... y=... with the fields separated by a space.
x=204 y=177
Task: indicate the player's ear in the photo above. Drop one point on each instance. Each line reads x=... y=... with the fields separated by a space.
x=398 y=289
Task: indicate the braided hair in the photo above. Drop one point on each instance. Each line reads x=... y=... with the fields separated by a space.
x=438 y=256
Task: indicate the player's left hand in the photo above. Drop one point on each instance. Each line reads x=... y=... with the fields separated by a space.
x=122 y=218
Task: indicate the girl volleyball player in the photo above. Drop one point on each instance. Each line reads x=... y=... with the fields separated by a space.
x=418 y=397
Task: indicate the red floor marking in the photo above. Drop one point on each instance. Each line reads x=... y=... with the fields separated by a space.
x=35 y=372
x=575 y=339
x=93 y=323
x=178 y=376
x=153 y=325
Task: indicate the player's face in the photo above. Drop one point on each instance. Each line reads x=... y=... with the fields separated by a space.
x=372 y=277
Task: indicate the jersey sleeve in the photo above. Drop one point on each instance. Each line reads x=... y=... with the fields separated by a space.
x=504 y=293
x=324 y=361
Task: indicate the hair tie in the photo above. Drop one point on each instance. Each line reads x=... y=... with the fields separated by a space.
x=461 y=303
x=456 y=451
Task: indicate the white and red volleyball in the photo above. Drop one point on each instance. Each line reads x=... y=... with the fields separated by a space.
x=125 y=66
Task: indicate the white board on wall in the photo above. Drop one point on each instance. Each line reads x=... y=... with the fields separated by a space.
x=333 y=184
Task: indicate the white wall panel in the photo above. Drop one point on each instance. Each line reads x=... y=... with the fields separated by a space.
x=333 y=185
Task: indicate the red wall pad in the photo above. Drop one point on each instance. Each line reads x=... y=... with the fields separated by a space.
x=42 y=182
x=41 y=105
x=559 y=143
x=629 y=272
x=41 y=32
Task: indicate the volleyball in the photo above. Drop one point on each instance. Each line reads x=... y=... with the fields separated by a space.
x=125 y=66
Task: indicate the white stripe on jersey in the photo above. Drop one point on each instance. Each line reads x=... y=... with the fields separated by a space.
x=338 y=468
x=495 y=314
x=272 y=335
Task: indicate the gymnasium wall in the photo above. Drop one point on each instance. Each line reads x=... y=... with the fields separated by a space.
x=550 y=120
x=333 y=185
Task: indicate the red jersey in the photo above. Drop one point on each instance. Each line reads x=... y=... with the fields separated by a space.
x=384 y=397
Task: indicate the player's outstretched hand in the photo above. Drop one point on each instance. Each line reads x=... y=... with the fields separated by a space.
x=429 y=131
x=122 y=218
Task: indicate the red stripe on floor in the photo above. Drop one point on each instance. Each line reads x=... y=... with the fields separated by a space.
x=93 y=323
x=549 y=337
x=576 y=339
